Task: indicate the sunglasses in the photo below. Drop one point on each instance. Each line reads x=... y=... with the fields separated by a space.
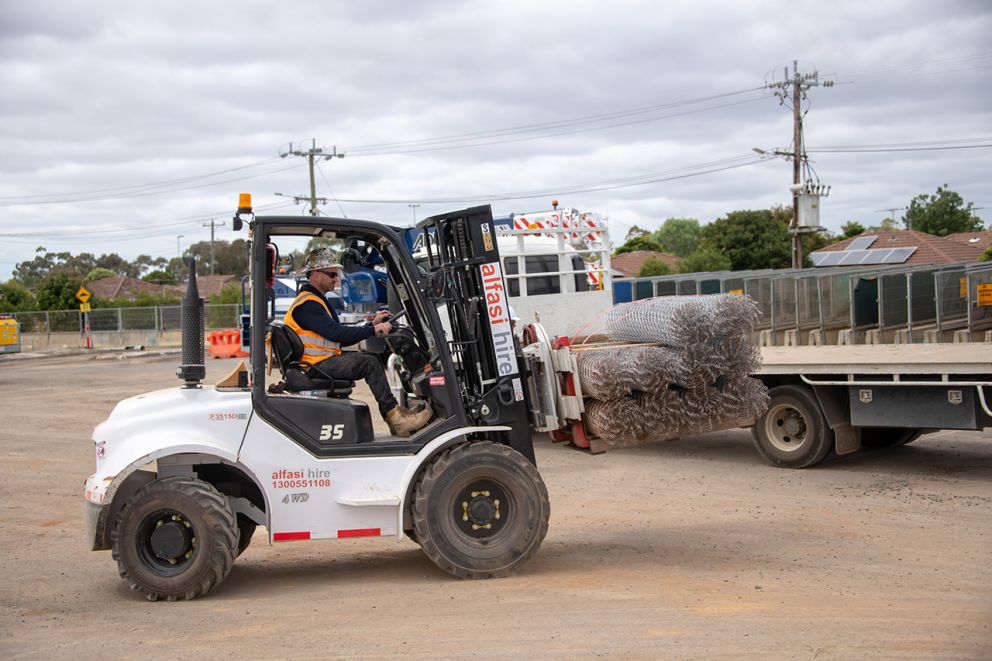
x=334 y=275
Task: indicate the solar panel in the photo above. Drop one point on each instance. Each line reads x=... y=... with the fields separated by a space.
x=861 y=243
x=827 y=258
x=852 y=257
x=899 y=255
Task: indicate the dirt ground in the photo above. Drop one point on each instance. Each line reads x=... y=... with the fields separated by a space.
x=693 y=549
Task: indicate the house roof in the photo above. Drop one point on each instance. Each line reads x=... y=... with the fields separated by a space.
x=981 y=239
x=629 y=263
x=209 y=285
x=121 y=287
x=930 y=249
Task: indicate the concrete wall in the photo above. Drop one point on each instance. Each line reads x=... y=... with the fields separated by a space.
x=100 y=340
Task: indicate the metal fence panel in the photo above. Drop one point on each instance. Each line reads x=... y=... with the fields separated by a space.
x=952 y=297
x=139 y=318
x=923 y=297
x=835 y=300
x=808 y=302
x=761 y=291
x=893 y=300
x=104 y=319
x=666 y=288
x=785 y=303
x=981 y=315
x=63 y=321
x=687 y=288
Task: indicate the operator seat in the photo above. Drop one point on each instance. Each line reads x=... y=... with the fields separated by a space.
x=287 y=351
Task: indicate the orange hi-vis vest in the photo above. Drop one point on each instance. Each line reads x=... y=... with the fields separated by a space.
x=315 y=347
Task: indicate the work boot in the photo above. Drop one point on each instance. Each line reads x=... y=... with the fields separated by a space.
x=403 y=422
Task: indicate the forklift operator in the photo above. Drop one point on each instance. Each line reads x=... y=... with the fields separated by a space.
x=323 y=336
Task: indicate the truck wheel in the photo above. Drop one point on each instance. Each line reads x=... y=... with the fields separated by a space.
x=480 y=510
x=792 y=433
x=246 y=528
x=877 y=438
x=176 y=539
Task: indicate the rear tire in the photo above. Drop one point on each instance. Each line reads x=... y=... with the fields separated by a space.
x=481 y=510
x=176 y=539
x=792 y=433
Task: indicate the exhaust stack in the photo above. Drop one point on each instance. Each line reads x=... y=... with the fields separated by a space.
x=192 y=370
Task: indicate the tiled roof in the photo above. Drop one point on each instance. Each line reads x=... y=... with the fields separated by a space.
x=981 y=239
x=121 y=287
x=930 y=249
x=629 y=263
x=208 y=285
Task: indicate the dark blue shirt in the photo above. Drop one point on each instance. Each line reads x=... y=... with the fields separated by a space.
x=312 y=316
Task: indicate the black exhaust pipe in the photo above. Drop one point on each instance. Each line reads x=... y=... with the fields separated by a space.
x=192 y=370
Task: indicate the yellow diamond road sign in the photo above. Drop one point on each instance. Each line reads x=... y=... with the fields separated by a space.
x=83 y=294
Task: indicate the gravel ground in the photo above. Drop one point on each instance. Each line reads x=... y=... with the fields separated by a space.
x=692 y=549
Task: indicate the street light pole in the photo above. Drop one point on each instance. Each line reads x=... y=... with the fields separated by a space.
x=414 y=207
x=179 y=250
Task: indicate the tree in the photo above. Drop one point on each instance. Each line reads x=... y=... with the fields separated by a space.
x=851 y=228
x=653 y=266
x=230 y=258
x=706 y=257
x=941 y=214
x=15 y=297
x=635 y=232
x=161 y=278
x=58 y=292
x=229 y=293
x=99 y=273
x=987 y=256
x=753 y=239
x=639 y=243
x=678 y=236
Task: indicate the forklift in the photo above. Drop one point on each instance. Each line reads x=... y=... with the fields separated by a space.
x=185 y=475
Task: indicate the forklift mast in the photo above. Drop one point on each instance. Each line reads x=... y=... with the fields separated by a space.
x=466 y=275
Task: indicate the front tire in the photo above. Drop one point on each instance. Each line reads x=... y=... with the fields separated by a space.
x=792 y=433
x=481 y=510
x=176 y=539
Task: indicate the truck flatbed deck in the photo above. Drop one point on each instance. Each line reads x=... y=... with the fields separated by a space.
x=878 y=359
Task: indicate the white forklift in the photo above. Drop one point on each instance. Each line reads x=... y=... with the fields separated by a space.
x=184 y=475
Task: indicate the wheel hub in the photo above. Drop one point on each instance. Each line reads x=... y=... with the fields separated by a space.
x=794 y=425
x=172 y=540
x=480 y=509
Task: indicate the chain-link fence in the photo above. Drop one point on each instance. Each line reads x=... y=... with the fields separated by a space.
x=886 y=298
x=156 y=318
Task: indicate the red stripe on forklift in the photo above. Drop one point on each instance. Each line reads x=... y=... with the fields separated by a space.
x=289 y=536
x=360 y=532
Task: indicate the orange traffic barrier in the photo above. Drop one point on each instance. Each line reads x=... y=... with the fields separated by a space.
x=226 y=344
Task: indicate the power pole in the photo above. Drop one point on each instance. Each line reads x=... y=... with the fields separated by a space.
x=793 y=89
x=314 y=152
x=212 y=225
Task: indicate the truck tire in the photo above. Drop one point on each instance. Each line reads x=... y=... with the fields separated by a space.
x=176 y=539
x=246 y=528
x=480 y=510
x=878 y=438
x=792 y=433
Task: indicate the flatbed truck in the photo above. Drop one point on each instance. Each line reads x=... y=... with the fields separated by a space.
x=839 y=399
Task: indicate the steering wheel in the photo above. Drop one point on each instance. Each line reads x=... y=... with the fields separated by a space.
x=393 y=319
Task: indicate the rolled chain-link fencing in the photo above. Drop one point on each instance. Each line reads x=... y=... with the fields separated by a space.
x=686 y=372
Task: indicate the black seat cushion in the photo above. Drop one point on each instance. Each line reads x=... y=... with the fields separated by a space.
x=287 y=350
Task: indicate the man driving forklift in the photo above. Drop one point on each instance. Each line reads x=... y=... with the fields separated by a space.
x=323 y=335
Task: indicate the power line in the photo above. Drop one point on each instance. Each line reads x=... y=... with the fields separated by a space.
x=145 y=193
x=135 y=187
x=531 y=128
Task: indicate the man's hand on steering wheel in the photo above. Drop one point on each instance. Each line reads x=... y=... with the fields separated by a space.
x=382 y=328
x=380 y=317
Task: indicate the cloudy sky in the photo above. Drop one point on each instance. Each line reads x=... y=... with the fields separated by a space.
x=124 y=125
